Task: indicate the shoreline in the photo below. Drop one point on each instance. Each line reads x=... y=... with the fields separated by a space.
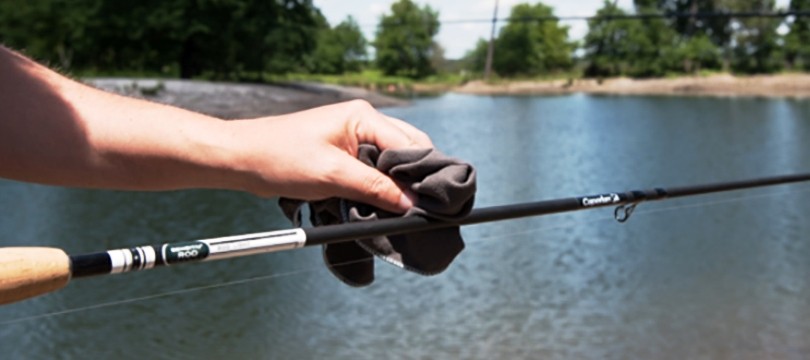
x=231 y=100
x=722 y=85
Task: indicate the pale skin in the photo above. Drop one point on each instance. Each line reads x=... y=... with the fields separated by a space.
x=54 y=130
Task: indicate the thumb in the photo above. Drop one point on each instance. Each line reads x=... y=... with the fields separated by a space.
x=359 y=182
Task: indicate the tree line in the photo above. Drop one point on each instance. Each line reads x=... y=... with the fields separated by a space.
x=246 y=39
x=653 y=46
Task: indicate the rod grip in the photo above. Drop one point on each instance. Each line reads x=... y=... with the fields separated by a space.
x=26 y=272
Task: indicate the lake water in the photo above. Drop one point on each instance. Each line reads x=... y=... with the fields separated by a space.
x=717 y=276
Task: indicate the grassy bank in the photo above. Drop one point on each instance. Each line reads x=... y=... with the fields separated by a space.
x=703 y=84
x=367 y=79
x=375 y=80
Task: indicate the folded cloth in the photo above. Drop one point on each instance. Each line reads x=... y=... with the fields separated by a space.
x=444 y=189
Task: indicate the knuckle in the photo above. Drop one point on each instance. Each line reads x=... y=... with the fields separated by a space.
x=331 y=173
x=360 y=113
x=361 y=103
x=424 y=140
x=376 y=186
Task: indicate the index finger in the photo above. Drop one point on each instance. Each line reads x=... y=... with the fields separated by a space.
x=372 y=127
x=417 y=135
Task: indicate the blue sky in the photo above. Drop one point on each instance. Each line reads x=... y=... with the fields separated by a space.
x=458 y=38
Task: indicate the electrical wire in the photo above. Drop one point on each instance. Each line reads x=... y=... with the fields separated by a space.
x=645 y=16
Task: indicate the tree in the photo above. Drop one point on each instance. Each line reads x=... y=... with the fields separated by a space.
x=437 y=60
x=532 y=47
x=223 y=38
x=757 y=44
x=340 y=49
x=291 y=35
x=698 y=53
x=656 y=43
x=718 y=29
x=797 y=41
x=50 y=31
x=475 y=59
x=646 y=47
x=131 y=36
x=404 y=40
x=611 y=46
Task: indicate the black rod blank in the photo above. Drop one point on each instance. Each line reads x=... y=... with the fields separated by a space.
x=150 y=256
x=392 y=226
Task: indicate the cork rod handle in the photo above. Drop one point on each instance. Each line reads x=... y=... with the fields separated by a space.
x=26 y=272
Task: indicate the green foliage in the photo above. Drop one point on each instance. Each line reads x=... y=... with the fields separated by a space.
x=219 y=38
x=340 y=49
x=611 y=46
x=367 y=78
x=718 y=29
x=437 y=60
x=649 y=47
x=50 y=31
x=223 y=38
x=797 y=41
x=697 y=54
x=404 y=40
x=656 y=47
x=655 y=43
x=757 y=44
x=531 y=48
x=257 y=39
x=748 y=45
x=475 y=60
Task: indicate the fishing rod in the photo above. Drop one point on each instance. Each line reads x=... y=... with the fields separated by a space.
x=27 y=272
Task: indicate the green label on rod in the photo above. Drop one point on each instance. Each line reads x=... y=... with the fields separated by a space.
x=185 y=251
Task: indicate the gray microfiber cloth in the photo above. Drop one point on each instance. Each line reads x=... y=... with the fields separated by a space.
x=445 y=189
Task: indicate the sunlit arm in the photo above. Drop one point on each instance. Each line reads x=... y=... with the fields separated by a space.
x=54 y=130
x=57 y=131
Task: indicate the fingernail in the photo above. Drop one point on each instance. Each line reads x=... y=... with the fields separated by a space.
x=405 y=203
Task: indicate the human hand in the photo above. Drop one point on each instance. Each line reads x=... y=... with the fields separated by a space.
x=60 y=132
x=312 y=155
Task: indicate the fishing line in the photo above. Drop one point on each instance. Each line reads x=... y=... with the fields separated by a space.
x=168 y=294
x=723 y=201
x=225 y=284
x=480 y=239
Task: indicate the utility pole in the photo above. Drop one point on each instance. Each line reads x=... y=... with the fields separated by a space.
x=490 y=49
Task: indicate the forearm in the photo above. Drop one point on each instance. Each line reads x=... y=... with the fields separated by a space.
x=57 y=131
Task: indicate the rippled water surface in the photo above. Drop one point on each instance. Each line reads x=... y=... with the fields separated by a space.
x=722 y=275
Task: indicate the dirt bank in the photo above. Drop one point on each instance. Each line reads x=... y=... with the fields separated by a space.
x=786 y=85
x=235 y=100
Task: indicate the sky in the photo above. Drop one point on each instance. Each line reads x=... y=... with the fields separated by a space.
x=457 y=39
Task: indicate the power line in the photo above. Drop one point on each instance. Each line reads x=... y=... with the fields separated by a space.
x=647 y=16
x=704 y=15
